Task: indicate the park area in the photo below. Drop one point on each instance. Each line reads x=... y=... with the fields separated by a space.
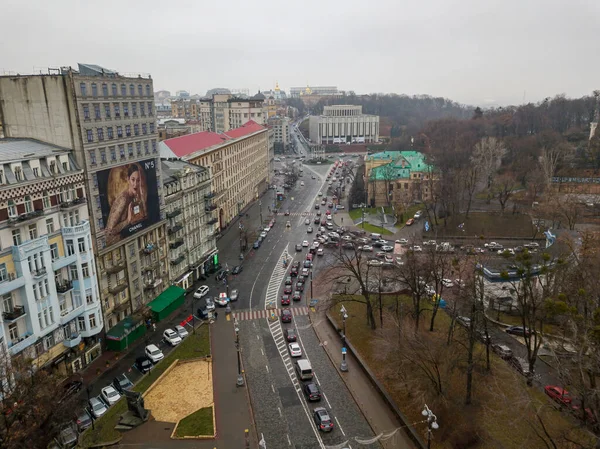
x=421 y=367
x=485 y=225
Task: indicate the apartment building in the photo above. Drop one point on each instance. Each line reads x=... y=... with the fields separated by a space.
x=238 y=161
x=49 y=292
x=343 y=124
x=281 y=132
x=191 y=215
x=107 y=119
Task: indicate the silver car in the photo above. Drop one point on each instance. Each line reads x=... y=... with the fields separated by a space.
x=210 y=304
x=97 y=407
x=234 y=295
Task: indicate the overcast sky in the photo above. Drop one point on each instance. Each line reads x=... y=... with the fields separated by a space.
x=472 y=51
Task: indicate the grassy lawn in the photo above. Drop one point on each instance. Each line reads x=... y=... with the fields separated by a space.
x=503 y=412
x=487 y=225
x=355 y=214
x=372 y=228
x=198 y=423
x=195 y=345
x=515 y=320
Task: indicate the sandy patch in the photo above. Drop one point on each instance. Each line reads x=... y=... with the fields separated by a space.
x=185 y=389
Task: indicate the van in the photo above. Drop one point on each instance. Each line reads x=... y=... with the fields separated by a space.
x=375 y=236
x=303 y=369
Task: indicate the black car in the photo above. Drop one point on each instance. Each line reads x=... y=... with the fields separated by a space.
x=143 y=364
x=286 y=316
x=122 y=383
x=323 y=420
x=237 y=269
x=83 y=420
x=256 y=245
x=518 y=330
x=290 y=335
x=307 y=264
x=312 y=392
x=70 y=388
x=221 y=275
x=316 y=220
x=298 y=247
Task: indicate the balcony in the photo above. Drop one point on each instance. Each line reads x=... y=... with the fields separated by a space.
x=173 y=213
x=17 y=345
x=68 y=315
x=75 y=231
x=64 y=287
x=150 y=265
x=117 y=288
x=212 y=221
x=209 y=195
x=24 y=219
x=150 y=248
x=38 y=273
x=115 y=268
x=178 y=260
x=152 y=284
x=175 y=229
x=210 y=208
x=66 y=205
x=176 y=244
x=16 y=313
x=72 y=341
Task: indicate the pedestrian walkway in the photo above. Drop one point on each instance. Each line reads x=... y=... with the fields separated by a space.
x=247 y=315
x=297 y=214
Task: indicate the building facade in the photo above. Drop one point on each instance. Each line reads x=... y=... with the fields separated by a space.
x=108 y=120
x=297 y=92
x=281 y=132
x=191 y=218
x=341 y=124
x=238 y=161
x=49 y=293
x=398 y=177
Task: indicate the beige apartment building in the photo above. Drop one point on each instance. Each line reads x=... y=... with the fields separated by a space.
x=107 y=119
x=343 y=124
x=238 y=161
x=192 y=218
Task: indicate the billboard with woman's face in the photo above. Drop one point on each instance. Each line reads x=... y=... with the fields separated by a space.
x=128 y=199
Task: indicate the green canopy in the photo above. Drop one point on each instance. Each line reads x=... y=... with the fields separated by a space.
x=125 y=332
x=167 y=302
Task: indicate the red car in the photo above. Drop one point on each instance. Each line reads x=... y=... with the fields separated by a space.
x=285 y=300
x=323 y=222
x=300 y=286
x=287 y=290
x=560 y=395
x=294 y=272
x=309 y=256
x=409 y=221
x=286 y=316
x=297 y=296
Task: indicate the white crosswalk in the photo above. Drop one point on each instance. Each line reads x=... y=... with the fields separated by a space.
x=247 y=315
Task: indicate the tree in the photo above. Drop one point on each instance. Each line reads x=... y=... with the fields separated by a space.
x=487 y=156
x=470 y=177
x=503 y=188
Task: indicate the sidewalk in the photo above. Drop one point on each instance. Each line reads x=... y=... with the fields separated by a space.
x=376 y=411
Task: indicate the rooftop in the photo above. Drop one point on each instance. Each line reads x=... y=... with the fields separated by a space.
x=173 y=168
x=401 y=165
x=19 y=150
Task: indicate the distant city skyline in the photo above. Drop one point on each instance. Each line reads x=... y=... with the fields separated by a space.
x=476 y=53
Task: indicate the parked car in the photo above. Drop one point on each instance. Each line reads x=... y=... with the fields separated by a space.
x=153 y=353
x=68 y=436
x=447 y=283
x=559 y=394
x=295 y=350
x=221 y=275
x=83 y=420
x=410 y=221
x=110 y=395
x=322 y=419
x=234 y=295
x=320 y=252
x=122 y=383
x=416 y=248
x=286 y=316
x=256 y=245
x=305 y=243
x=143 y=364
x=517 y=330
x=171 y=337
x=463 y=320
x=222 y=300
x=237 y=269
x=312 y=392
x=97 y=407
x=70 y=388
x=201 y=291
x=502 y=350
x=290 y=335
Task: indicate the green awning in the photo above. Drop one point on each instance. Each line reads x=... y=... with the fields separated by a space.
x=121 y=329
x=166 y=298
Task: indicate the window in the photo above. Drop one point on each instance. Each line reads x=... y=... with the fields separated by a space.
x=94 y=90
x=140 y=90
x=54 y=251
x=128 y=130
x=104 y=89
x=90 y=135
x=150 y=108
x=100 y=134
x=142 y=110
x=144 y=129
x=114 y=90
x=138 y=148
x=19 y=173
x=95 y=180
x=106 y=110
x=103 y=155
x=46 y=200
x=147 y=90
x=16 y=236
x=1 y=176
x=136 y=129
x=134 y=109
x=70 y=247
x=81 y=319
x=86 y=112
x=130 y=149
x=123 y=89
x=12 y=209
x=85 y=268
x=109 y=132
x=36 y=172
x=49 y=225
x=97 y=111
x=126 y=109
x=92 y=320
x=151 y=127
x=81 y=244
x=13 y=332
x=154 y=146
x=83 y=89
x=28 y=205
x=122 y=151
x=132 y=90
x=117 y=109
x=33 y=233
x=89 y=299
x=3 y=276
x=134 y=267
x=113 y=154
x=132 y=250
x=146 y=147
x=136 y=285
x=73 y=273
x=119 y=131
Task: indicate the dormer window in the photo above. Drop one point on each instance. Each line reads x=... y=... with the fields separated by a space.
x=53 y=167
x=1 y=176
x=19 y=173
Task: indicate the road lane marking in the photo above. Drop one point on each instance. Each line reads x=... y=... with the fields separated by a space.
x=281 y=414
x=327 y=400
x=289 y=441
x=273 y=388
x=338 y=423
x=316 y=378
x=267 y=366
x=261 y=350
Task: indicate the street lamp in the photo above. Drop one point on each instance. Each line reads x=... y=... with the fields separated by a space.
x=344 y=365
x=431 y=424
x=260 y=207
x=240 y=378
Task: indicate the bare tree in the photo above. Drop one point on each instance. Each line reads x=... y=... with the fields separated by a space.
x=487 y=156
x=470 y=177
x=503 y=189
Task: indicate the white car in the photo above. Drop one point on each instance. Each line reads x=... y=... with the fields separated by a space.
x=387 y=249
x=97 y=407
x=222 y=300
x=464 y=320
x=347 y=238
x=171 y=337
x=181 y=331
x=110 y=395
x=295 y=350
x=307 y=221
x=201 y=291
x=375 y=263
x=264 y=234
x=267 y=229
x=340 y=206
x=320 y=193
x=430 y=243
x=154 y=353
x=301 y=183
x=416 y=248
x=234 y=295
x=210 y=304
x=509 y=251
x=328 y=217
x=320 y=252
x=365 y=248
x=447 y=283
x=316 y=243
x=305 y=243
x=459 y=282
x=402 y=241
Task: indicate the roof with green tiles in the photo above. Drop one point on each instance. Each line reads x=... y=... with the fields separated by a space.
x=403 y=163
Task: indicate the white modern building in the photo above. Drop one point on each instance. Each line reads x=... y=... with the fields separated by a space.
x=343 y=124
x=49 y=293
